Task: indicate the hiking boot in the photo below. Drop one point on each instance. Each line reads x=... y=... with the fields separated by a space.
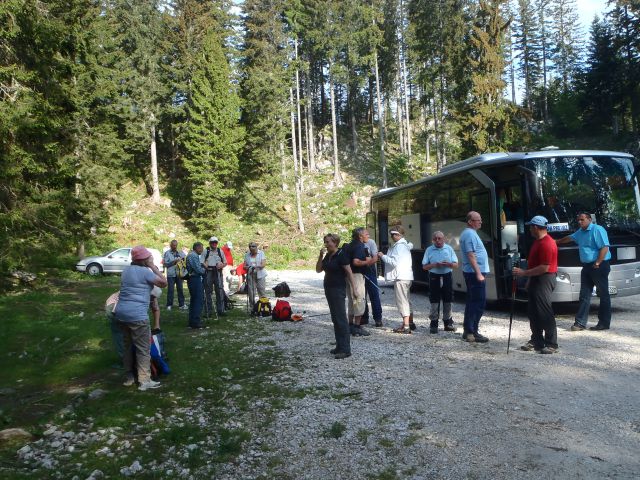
x=433 y=329
x=468 y=337
x=148 y=385
x=333 y=351
x=547 y=350
x=598 y=327
x=403 y=329
x=528 y=347
x=480 y=338
x=360 y=332
x=449 y=327
x=352 y=329
x=412 y=326
x=576 y=327
x=129 y=382
x=341 y=355
x=379 y=323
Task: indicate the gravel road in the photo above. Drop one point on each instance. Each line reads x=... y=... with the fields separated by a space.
x=433 y=407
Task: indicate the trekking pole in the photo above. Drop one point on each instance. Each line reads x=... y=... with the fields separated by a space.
x=514 y=287
x=206 y=303
x=372 y=283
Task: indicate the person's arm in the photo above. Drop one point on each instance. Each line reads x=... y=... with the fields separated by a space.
x=319 y=262
x=474 y=264
x=160 y=280
x=263 y=262
x=563 y=240
x=601 y=254
x=388 y=259
x=531 y=272
x=426 y=264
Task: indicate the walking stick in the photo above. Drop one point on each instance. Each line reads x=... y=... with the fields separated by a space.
x=206 y=304
x=514 y=287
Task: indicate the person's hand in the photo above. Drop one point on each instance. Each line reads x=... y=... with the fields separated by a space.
x=323 y=250
x=480 y=277
x=596 y=265
x=380 y=254
x=518 y=272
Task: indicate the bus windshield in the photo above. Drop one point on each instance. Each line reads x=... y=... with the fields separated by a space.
x=606 y=187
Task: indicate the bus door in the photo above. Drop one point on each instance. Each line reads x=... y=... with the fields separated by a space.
x=382 y=237
x=511 y=234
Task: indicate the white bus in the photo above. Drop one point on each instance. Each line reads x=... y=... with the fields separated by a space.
x=508 y=189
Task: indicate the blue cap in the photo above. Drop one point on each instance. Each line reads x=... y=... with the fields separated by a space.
x=538 y=221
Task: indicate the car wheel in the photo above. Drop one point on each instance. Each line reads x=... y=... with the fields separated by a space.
x=94 y=269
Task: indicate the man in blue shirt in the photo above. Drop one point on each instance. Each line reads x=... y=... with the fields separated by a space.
x=475 y=265
x=439 y=260
x=196 y=272
x=593 y=244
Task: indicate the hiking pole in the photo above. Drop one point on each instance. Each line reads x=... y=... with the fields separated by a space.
x=206 y=303
x=514 y=287
x=372 y=283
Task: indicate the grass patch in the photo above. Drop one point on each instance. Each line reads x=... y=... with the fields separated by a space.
x=410 y=440
x=386 y=443
x=336 y=430
x=363 y=435
x=387 y=474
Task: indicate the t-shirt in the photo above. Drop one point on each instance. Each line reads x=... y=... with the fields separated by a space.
x=135 y=294
x=544 y=252
x=590 y=241
x=470 y=242
x=171 y=256
x=255 y=261
x=356 y=250
x=333 y=268
x=437 y=255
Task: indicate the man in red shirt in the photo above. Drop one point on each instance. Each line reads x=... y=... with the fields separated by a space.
x=543 y=266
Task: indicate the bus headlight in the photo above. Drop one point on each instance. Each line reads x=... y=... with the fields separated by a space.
x=563 y=277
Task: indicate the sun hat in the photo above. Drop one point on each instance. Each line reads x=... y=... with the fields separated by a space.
x=213 y=239
x=139 y=253
x=538 y=221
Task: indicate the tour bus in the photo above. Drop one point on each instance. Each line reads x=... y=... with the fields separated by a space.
x=508 y=189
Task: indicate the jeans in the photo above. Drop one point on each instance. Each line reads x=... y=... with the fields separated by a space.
x=598 y=277
x=476 y=301
x=213 y=283
x=178 y=284
x=540 y=311
x=373 y=292
x=336 y=297
x=440 y=289
x=197 y=299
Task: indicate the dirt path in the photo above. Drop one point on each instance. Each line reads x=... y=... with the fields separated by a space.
x=431 y=406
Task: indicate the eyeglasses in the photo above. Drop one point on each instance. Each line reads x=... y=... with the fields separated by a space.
x=253 y=246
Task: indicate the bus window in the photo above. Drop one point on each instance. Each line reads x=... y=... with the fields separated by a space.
x=480 y=204
x=383 y=230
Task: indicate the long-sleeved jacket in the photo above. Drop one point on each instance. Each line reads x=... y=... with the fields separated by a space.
x=399 y=259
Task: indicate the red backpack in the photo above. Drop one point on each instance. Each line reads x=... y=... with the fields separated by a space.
x=281 y=312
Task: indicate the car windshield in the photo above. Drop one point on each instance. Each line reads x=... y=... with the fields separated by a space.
x=606 y=187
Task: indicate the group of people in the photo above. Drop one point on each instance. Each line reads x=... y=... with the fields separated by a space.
x=205 y=271
x=351 y=273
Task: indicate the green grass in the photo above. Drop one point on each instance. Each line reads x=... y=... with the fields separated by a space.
x=336 y=430
x=56 y=348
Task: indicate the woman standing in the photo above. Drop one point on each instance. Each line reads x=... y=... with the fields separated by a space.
x=337 y=272
x=138 y=280
x=398 y=258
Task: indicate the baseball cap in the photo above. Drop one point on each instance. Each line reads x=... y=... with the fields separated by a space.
x=139 y=253
x=538 y=221
x=213 y=239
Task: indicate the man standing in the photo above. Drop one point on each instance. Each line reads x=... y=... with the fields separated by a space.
x=440 y=260
x=196 y=272
x=371 y=283
x=170 y=258
x=475 y=265
x=214 y=261
x=593 y=244
x=359 y=266
x=542 y=266
x=255 y=262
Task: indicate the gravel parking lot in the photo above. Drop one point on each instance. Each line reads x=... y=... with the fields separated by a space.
x=431 y=406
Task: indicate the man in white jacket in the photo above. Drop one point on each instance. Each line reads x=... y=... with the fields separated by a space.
x=400 y=270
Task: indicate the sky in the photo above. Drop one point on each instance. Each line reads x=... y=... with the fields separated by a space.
x=588 y=8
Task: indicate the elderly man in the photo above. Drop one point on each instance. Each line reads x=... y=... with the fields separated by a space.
x=255 y=262
x=170 y=258
x=360 y=263
x=214 y=261
x=196 y=290
x=371 y=283
x=542 y=266
x=593 y=244
x=475 y=265
x=440 y=260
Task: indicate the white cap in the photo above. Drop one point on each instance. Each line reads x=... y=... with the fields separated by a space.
x=229 y=244
x=213 y=239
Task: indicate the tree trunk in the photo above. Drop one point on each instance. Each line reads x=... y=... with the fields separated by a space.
x=283 y=167
x=403 y=75
x=383 y=161
x=337 y=177
x=154 y=162
x=352 y=121
x=299 y=116
x=311 y=147
x=297 y=168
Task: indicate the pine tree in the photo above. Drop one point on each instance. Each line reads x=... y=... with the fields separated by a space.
x=213 y=138
x=567 y=46
x=528 y=48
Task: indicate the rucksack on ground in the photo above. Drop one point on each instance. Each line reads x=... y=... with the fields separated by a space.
x=282 y=290
x=282 y=311
x=262 y=308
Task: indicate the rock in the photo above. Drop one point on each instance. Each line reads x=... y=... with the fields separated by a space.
x=286 y=208
x=235 y=388
x=24 y=451
x=97 y=394
x=9 y=434
x=95 y=475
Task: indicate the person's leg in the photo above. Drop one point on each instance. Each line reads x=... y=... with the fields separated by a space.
x=116 y=333
x=401 y=290
x=171 y=281
x=208 y=290
x=127 y=357
x=358 y=306
x=548 y=319
x=374 y=295
x=469 y=280
x=196 y=302
x=447 y=300
x=180 y=292
x=141 y=337
x=435 y=295
x=155 y=310
x=534 y=311
x=251 y=290
x=336 y=301
x=261 y=285
x=586 y=288
x=600 y=277
x=219 y=290
x=480 y=303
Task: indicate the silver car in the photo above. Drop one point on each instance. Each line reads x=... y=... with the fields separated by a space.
x=113 y=262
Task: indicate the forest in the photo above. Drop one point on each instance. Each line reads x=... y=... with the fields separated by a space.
x=197 y=98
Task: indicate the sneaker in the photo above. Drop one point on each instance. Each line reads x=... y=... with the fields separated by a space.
x=333 y=351
x=403 y=329
x=412 y=326
x=169 y=307
x=128 y=382
x=379 y=323
x=547 y=350
x=183 y=307
x=576 y=327
x=360 y=332
x=148 y=385
x=449 y=328
x=341 y=355
x=528 y=347
x=598 y=327
x=433 y=329
x=468 y=337
x=480 y=338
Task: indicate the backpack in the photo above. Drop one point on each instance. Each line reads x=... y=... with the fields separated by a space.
x=282 y=290
x=262 y=308
x=281 y=312
x=181 y=268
